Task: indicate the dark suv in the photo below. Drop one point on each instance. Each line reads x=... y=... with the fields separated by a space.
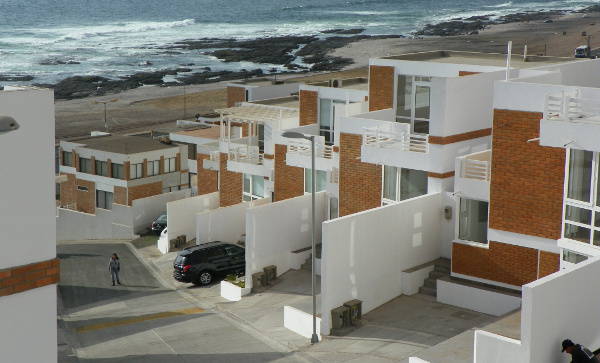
x=159 y=224
x=200 y=264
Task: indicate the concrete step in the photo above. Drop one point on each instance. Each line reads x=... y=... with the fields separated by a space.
x=443 y=262
x=428 y=291
x=437 y=274
x=431 y=283
x=442 y=269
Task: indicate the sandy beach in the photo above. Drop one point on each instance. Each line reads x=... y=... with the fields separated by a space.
x=149 y=106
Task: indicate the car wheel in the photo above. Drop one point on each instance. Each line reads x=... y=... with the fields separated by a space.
x=205 y=278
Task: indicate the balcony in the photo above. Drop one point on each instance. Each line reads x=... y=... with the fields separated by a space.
x=299 y=154
x=213 y=161
x=400 y=140
x=246 y=159
x=472 y=175
x=571 y=120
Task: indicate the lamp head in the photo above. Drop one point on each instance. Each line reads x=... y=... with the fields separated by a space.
x=294 y=135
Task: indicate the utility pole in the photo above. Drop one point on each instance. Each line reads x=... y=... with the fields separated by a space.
x=184 y=102
x=105 y=112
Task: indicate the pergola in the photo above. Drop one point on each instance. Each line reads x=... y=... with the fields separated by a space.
x=253 y=114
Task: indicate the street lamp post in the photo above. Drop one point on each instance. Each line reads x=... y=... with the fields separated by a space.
x=297 y=135
x=104 y=103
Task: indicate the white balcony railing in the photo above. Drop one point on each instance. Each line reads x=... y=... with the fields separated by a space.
x=565 y=107
x=303 y=148
x=475 y=169
x=246 y=154
x=214 y=156
x=376 y=137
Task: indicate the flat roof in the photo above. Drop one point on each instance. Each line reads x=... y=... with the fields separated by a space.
x=212 y=132
x=121 y=144
x=290 y=101
x=480 y=59
x=357 y=83
x=262 y=81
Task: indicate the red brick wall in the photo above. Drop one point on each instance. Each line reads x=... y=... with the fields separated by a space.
x=309 y=107
x=360 y=183
x=381 y=87
x=143 y=191
x=22 y=278
x=509 y=264
x=230 y=190
x=444 y=140
x=208 y=180
x=526 y=190
x=549 y=263
x=67 y=190
x=466 y=73
x=234 y=95
x=502 y=262
x=86 y=200
x=120 y=195
x=289 y=180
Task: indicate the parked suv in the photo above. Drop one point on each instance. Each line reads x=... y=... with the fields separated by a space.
x=201 y=264
x=159 y=224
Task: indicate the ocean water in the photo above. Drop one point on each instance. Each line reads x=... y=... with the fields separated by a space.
x=118 y=37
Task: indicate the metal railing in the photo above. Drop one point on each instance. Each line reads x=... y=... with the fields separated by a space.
x=303 y=148
x=376 y=137
x=246 y=154
x=564 y=107
x=475 y=169
x=214 y=156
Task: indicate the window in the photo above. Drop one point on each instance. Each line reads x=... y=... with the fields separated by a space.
x=82 y=188
x=170 y=165
x=413 y=102
x=327 y=119
x=333 y=208
x=582 y=201
x=232 y=250
x=192 y=151
x=136 y=171
x=153 y=167
x=573 y=257
x=67 y=158
x=85 y=165
x=321 y=180
x=104 y=199
x=401 y=184
x=254 y=187
x=261 y=137
x=473 y=220
x=171 y=189
x=101 y=168
x=117 y=171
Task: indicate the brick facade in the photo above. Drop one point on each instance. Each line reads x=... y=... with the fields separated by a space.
x=549 y=263
x=526 y=187
x=143 y=191
x=445 y=140
x=501 y=262
x=289 y=180
x=120 y=195
x=231 y=187
x=86 y=200
x=22 y=278
x=309 y=107
x=466 y=73
x=359 y=183
x=235 y=94
x=67 y=190
x=208 y=180
x=381 y=87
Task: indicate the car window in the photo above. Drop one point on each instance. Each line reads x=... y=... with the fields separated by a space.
x=233 y=250
x=214 y=252
x=162 y=219
x=179 y=260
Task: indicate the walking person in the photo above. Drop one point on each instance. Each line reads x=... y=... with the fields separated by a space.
x=113 y=267
x=579 y=353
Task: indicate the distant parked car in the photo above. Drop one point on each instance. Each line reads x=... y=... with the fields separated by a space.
x=159 y=224
x=201 y=264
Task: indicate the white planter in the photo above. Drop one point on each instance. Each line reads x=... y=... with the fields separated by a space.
x=233 y=292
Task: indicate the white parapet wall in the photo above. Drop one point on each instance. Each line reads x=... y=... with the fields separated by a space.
x=365 y=253
x=300 y=322
x=233 y=292
x=559 y=306
x=74 y=225
x=275 y=230
x=181 y=214
x=225 y=224
x=412 y=280
x=473 y=298
x=145 y=210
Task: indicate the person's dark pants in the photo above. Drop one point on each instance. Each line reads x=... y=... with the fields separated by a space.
x=115 y=276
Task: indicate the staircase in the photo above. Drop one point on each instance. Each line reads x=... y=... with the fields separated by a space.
x=441 y=268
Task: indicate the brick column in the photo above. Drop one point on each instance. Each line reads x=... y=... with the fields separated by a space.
x=231 y=186
x=127 y=170
x=161 y=165
x=93 y=166
x=309 y=107
x=145 y=168
x=381 y=87
x=109 y=167
x=289 y=180
x=177 y=162
x=207 y=180
x=76 y=160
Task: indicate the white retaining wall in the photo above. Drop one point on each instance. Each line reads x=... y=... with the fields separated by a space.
x=181 y=214
x=365 y=253
x=145 y=210
x=472 y=298
x=226 y=224
x=74 y=225
x=300 y=322
x=274 y=230
x=561 y=305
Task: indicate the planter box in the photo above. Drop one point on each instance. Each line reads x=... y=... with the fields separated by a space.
x=233 y=292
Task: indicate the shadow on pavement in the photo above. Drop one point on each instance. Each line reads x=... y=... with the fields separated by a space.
x=185 y=358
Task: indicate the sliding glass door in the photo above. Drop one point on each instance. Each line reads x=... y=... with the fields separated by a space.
x=413 y=102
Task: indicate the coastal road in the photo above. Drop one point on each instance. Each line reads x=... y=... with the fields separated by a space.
x=141 y=321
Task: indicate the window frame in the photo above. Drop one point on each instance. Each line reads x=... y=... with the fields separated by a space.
x=321 y=172
x=249 y=196
x=328 y=133
x=101 y=165
x=170 y=165
x=591 y=205
x=105 y=199
x=69 y=158
x=153 y=167
x=458 y=220
x=88 y=163
x=136 y=171
x=117 y=166
x=416 y=82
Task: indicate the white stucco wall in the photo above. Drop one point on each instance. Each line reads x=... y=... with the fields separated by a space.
x=365 y=253
x=145 y=210
x=226 y=224
x=181 y=214
x=274 y=230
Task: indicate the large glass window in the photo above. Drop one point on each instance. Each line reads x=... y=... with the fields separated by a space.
x=170 y=165
x=67 y=158
x=327 y=119
x=254 y=187
x=473 y=220
x=573 y=257
x=321 y=180
x=85 y=165
x=413 y=102
x=582 y=202
x=136 y=171
x=153 y=167
x=104 y=199
x=401 y=184
x=101 y=168
x=117 y=171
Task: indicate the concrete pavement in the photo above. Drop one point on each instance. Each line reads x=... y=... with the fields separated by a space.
x=142 y=321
